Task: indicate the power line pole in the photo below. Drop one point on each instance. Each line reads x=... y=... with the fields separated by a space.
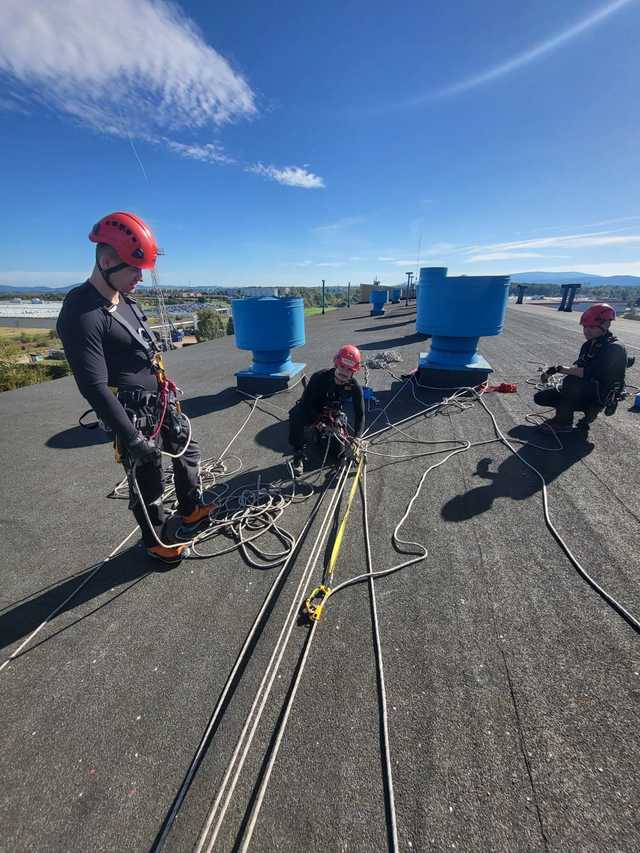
x=349 y=295
x=409 y=276
x=323 y=296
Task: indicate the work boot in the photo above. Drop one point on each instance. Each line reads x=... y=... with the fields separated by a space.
x=298 y=464
x=202 y=512
x=169 y=556
x=585 y=422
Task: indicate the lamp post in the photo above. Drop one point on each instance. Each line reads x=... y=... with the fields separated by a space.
x=409 y=276
x=349 y=295
x=323 y=296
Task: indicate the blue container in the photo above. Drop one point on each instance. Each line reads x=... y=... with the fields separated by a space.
x=176 y=335
x=456 y=312
x=395 y=295
x=270 y=327
x=636 y=402
x=378 y=299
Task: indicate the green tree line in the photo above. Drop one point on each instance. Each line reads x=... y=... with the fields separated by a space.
x=213 y=325
x=15 y=373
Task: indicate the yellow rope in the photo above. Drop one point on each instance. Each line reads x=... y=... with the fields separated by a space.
x=338 y=542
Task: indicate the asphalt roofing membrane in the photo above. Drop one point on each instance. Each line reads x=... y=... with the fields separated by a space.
x=512 y=686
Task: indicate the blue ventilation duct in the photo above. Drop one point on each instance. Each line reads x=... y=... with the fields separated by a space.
x=378 y=299
x=395 y=295
x=457 y=311
x=270 y=327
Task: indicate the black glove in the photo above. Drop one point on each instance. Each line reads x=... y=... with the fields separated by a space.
x=142 y=451
x=548 y=372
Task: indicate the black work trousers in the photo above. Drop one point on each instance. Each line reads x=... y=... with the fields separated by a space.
x=574 y=395
x=149 y=476
x=298 y=420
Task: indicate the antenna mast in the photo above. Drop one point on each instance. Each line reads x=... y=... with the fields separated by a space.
x=164 y=332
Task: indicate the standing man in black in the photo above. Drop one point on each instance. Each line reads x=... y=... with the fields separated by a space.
x=326 y=391
x=115 y=360
x=596 y=377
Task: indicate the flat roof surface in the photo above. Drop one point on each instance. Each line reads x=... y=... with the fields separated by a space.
x=513 y=688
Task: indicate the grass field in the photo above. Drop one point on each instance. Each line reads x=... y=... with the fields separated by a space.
x=13 y=332
x=309 y=312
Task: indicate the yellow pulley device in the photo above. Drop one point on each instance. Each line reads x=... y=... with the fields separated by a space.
x=314 y=604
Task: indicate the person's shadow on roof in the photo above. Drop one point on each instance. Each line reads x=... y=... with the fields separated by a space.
x=391 y=343
x=193 y=407
x=512 y=479
x=20 y=619
x=78 y=436
x=398 y=398
x=386 y=326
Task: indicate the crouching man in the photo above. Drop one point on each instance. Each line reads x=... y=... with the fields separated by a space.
x=595 y=380
x=325 y=392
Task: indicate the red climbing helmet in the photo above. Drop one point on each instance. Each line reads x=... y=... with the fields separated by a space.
x=348 y=357
x=130 y=236
x=597 y=314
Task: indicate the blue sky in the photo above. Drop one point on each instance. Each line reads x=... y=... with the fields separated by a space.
x=283 y=143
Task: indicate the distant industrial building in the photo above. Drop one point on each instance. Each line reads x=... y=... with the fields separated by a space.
x=256 y=292
x=29 y=316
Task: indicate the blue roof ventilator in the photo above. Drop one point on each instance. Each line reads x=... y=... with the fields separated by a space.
x=396 y=292
x=271 y=327
x=456 y=312
x=378 y=299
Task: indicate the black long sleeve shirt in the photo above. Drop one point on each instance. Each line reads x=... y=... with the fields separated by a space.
x=604 y=360
x=323 y=390
x=101 y=353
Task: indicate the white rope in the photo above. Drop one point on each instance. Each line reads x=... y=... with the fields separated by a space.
x=219 y=808
x=380 y=666
x=54 y=612
x=240 y=660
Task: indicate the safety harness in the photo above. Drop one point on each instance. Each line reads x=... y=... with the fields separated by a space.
x=616 y=390
x=147 y=410
x=167 y=389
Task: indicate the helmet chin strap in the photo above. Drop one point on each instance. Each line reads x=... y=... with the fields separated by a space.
x=106 y=274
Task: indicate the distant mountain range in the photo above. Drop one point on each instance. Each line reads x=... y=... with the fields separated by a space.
x=576 y=277
x=21 y=288
x=537 y=277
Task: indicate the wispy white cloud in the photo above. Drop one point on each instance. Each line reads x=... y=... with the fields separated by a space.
x=504 y=256
x=438 y=249
x=10 y=104
x=290 y=176
x=567 y=241
x=339 y=225
x=529 y=55
x=331 y=264
x=138 y=69
x=127 y=66
x=616 y=221
x=210 y=152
